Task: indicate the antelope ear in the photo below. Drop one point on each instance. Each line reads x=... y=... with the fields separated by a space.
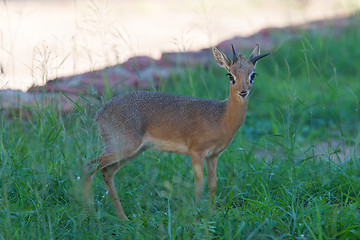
x=221 y=59
x=255 y=52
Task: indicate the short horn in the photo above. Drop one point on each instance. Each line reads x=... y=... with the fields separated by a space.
x=255 y=59
x=234 y=54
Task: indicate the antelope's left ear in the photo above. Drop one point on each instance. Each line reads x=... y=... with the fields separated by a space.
x=255 y=55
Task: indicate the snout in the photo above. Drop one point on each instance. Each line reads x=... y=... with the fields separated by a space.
x=243 y=94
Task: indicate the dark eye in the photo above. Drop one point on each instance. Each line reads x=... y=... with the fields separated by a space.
x=231 y=77
x=252 y=77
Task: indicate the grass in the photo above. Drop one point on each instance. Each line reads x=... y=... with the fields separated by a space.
x=285 y=176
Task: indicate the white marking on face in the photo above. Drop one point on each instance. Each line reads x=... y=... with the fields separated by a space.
x=232 y=77
x=252 y=77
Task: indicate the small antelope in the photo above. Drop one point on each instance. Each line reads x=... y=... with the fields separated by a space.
x=202 y=128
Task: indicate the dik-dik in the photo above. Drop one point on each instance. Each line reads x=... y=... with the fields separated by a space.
x=202 y=128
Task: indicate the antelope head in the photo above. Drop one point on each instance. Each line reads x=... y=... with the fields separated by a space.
x=241 y=71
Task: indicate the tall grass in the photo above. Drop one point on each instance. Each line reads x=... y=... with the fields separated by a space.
x=292 y=171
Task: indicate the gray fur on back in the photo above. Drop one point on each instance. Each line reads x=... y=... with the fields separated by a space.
x=156 y=106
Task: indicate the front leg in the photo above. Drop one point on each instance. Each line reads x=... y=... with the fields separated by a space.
x=197 y=161
x=211 y=164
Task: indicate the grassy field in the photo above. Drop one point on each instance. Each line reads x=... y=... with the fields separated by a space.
x=292 y=171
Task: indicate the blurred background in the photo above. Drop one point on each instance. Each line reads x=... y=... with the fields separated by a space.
x=42 y=40
x=291 y=172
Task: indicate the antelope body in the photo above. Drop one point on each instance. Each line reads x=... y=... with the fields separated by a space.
x=202 y=128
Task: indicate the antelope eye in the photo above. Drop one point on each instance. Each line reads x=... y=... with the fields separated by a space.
x=231 y=77
x=252 y=77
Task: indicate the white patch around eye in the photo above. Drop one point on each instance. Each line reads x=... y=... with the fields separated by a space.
x=252 y=74
x=232 y=77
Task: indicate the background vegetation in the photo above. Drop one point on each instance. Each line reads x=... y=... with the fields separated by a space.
x=292 y=171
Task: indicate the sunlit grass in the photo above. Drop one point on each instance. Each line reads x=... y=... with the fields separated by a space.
x=274 y=180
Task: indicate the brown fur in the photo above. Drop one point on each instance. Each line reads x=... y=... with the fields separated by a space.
x=202 y=128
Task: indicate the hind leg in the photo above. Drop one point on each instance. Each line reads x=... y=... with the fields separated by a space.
x=108 y=174
x=90 y=169
x=109 y=164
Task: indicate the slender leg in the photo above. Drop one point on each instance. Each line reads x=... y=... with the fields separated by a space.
x=109 y=165
x=120 y=146
x=90 y=169
x=210 y=164
x=198 y=167
x=108 y=175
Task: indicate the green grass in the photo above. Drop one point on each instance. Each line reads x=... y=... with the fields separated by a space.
x=275 y=181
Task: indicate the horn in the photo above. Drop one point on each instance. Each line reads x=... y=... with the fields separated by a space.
x=255 y=59
x=234 y=54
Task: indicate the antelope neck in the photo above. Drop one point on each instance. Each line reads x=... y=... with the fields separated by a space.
x=236 y=107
